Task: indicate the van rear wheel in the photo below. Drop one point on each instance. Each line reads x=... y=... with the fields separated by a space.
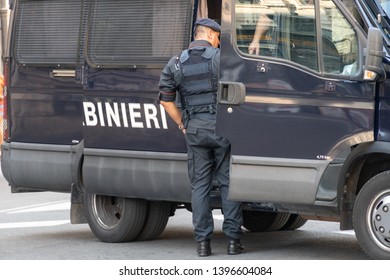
x=259 y=221
x=294 y=221
x=371 y=216
x=115 y=219
x=156 y=220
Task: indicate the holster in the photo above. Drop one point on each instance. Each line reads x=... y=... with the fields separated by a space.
x=185 y=116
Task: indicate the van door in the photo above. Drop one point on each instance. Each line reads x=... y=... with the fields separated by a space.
x=45 y=95
x=128 y=137
x=295 y=102
x=128 y=44
x=43 y=100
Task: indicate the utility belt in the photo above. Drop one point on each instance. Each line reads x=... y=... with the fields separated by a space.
x=190 y=113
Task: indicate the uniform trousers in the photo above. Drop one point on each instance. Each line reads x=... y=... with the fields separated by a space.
x=209 y=156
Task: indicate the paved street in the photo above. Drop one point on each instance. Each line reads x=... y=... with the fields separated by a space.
x=35 y=226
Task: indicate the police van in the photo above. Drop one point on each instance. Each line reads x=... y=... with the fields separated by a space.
x=307 y=114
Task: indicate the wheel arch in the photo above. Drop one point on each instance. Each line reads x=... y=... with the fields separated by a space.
x=365 y=161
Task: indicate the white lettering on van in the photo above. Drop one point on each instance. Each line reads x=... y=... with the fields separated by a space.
x=101 y=114
x=90 y=114
x=134 y=115
x=151 y=115
x=112 y=114
x=163 y=117
x=134 y=112
x=124 y=115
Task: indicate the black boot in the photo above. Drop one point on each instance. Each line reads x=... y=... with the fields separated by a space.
x=234 y=247
x=204 y=248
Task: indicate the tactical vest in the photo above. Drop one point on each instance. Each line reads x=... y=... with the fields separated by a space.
x=198 y=90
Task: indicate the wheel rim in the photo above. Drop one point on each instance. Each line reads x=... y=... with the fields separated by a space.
x=378 y=220
x=107 y=210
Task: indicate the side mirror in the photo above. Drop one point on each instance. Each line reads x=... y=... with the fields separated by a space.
x=374 y=55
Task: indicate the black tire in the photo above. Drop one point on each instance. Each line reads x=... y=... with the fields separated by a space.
x=115 y=219
x=371 y=216
x=258 y=221
x=156 y=220
x=294 y=222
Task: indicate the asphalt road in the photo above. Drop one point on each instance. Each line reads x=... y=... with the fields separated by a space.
x=35 y=226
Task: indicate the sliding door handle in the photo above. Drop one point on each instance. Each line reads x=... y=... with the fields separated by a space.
x=231 y=93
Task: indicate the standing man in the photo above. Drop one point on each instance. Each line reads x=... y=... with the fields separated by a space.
x=194 y=75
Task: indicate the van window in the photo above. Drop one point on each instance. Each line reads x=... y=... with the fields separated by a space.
x=287 y=29
x=342 y=35
x=138 y=33
x=48 y=32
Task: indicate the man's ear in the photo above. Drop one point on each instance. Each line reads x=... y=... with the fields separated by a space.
x=209 y=33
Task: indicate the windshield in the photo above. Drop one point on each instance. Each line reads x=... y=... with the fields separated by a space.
x=385 y=4
x=379 y=11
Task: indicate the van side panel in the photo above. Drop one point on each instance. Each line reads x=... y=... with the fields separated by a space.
x=44 y=93
x=44 y=109
x=148 y=175
x=44 y=96
x=38 y=166
x=132 y=147
x=126 y=115
x=85 y=73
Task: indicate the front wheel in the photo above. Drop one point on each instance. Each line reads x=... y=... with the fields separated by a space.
x=115 y=219
x=371 y=216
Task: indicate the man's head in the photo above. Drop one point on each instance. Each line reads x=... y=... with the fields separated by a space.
x=209 y=30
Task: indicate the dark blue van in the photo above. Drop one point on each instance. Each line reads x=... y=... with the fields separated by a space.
x=303 y=98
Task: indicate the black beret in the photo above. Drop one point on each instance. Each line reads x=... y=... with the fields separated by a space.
x=208 y=23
